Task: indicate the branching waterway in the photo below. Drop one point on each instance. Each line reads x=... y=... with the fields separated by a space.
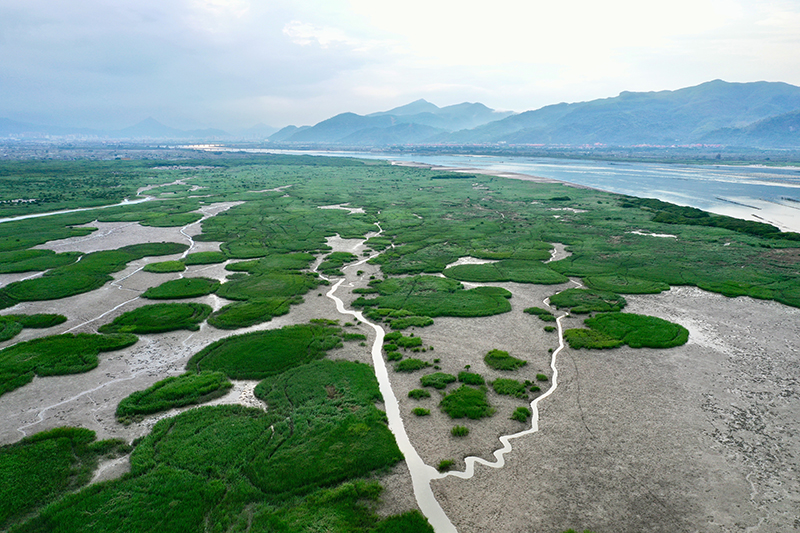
x=421 y=473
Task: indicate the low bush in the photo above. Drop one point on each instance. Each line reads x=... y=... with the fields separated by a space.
x=521 y=414
x=500 y=360
x=394 y=356
x=418 y=394
x=510 y=387
x=410 y=365
x=467 y=402
x=470 y=378
x=543 y=314
x=445 y=465
x=411 y=321
x=437 y=380
x=549 y=329
x=408 y=342
x=459 y=431
x=419 y=411
x=541 y=377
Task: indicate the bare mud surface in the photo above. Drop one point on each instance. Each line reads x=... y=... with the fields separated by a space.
x=703 y=437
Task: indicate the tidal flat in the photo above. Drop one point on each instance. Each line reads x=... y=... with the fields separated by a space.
x=698 y=437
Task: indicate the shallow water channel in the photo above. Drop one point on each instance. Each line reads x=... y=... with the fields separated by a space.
x=421 y=473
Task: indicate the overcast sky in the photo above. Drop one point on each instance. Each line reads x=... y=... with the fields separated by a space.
x=235 y=63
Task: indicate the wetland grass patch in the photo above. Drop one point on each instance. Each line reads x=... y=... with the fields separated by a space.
x=501 y=360
x=159 y=318
x=582 y=301
x=182 y=288
x=468 y=402
x=165 y=267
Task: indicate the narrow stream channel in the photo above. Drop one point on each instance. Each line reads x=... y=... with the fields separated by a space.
x=421 y=473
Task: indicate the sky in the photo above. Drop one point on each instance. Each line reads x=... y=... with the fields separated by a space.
x=233 y=64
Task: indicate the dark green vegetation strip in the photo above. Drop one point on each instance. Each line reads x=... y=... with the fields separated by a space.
x=467 y=402
x=501 y=360
x=410 y=365
x=521 y=414
x=91 y=272
x=588 y=300
x=177 y=391
x=158 y=318
x=40 y=468
x=609 y=330
x=507 y=270
x=470 y=378
x=55 y=356
x=334 y=262
x=182 y=288
x=165 y=267
x=266 y=353
x=11 y=325
x=204 y=258
x=433 y=296
x=624 y=284
x=543 y=314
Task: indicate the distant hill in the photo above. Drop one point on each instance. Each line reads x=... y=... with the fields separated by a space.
x=412 y=123
x=782 y=131
x=666 y=117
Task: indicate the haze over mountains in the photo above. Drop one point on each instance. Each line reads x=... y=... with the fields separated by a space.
x=757 y=115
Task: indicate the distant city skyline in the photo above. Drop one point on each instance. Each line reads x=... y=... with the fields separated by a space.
x=236 y=63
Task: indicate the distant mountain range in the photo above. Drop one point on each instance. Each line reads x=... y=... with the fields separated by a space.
x=754 y=115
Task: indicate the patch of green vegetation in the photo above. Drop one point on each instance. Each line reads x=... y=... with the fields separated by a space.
x=467 y=402
x=245 y=314
x=445 y=465
x=204 y=258
x=334 y=262
x=411 y=321
x=158 y=318
x=91 y=272
x=507 y=270
x=589 y=338
x=34 y=260
x=543 y=314
x=587 y=300
x=11 y=325
x=624 y=284
x=501 y=360
x=433 y=296
x=638 y=331
x=459 y=431
x=411 y=365
x=390 y=347
x=354 y=336
x=549 y=329
x=420 y=411
x=165 y=267
x=266 y=353
x=182 y=288
x=521 y=414
x=55 y=356
x=510 y=387
x=437 y=380
x=418 y=394
x=470 y=378
x=178 y=391
x=408 y=342
x=394 y=356
x=392 y=336
x=273 y=263
x=38 y=469
x=541 y=377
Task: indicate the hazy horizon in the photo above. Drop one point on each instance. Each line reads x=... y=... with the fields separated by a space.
x=232 y=64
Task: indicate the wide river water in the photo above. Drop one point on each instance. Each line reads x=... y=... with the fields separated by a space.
x=758 y=193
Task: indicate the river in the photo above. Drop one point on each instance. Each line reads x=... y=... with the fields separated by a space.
x=758 y=193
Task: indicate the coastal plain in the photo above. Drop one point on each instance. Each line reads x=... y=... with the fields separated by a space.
x=700 y=437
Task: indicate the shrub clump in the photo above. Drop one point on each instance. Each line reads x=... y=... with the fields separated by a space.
x=541 y=377
x=437 y=380
x=510 y=387
x=410 y=365
x=418 y=394
x=394 y=356
x=543 y=314
x=467 y=402
x=500 y=360
x=445 y=465
x=470 y=378
x=459 y=431
x=420 y=411
x=521 y=414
